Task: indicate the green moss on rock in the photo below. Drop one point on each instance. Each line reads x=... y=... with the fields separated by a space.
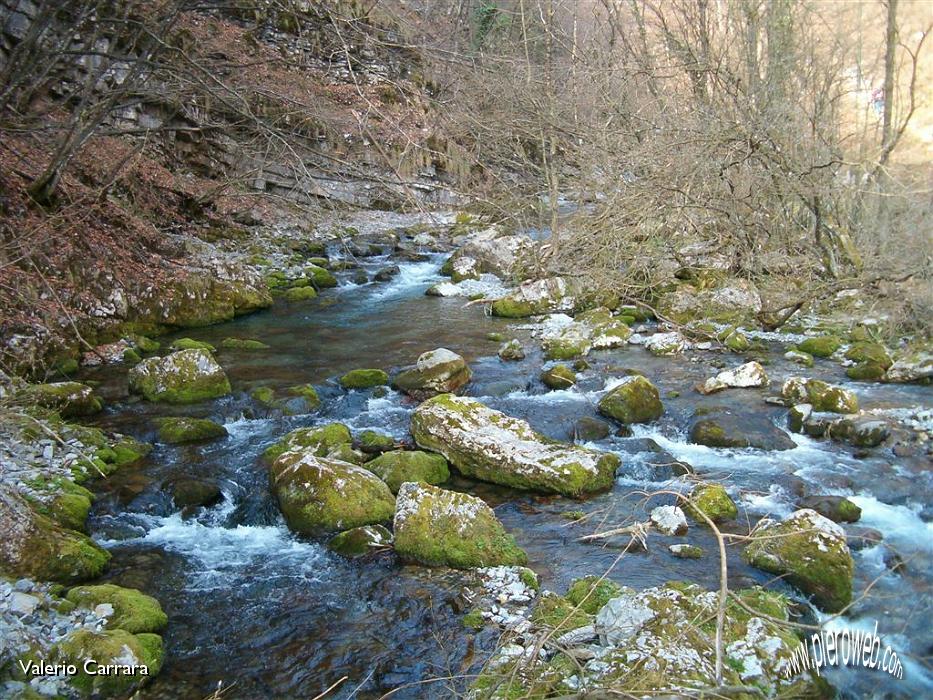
x=489 y=445
x=810 y=552
x=364 y=379
x=711 y=500
x=180 y=430
x=373 y=442
x=559 y=377
x=635 y=400
x=242 y=344
x=69 y=399
x=445 y=528
x=395 y=468
x=360 y=541
x=300 y=294
x=591 y=593
x=115 y=646
x=133 y=610
x=191 y=344
x=187 y=376
x=820 y=395
x=322 y=438
x=821 y=346
x=317 y=494
x=320 y=277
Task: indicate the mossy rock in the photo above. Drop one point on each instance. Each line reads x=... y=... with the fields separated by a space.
x=146 y=344
x=686 y=551
x=734 y=340
x=264 y=395
x=635 y=400
x=187 y=376
x=308 y=393
x=873 y=353
x=133 y=610
x=395 y=468
x=373 y=443
x=243 y=344
x=513 y=308
x=589 y=429
x=360 y=541
x=820 y=395
x=445 y=528
x=636 y=313
x=300 y=294
x=364 y=379
x=320 y=278
x=115 y=646
x=725 y=428
x=191 y=344
x=70 y=505
x=69 y=399
x=175 y=431
x=512 y=351
x=474 y=620
x=323 y=439
x=801 y=358
x=810 y=552
x=837 y=508
x=485 y=444
x=559 y=377
x=131 y=357
x=821 y=346
x=317 y=494
x=190 y=492
x=41 y=549
x=573 y=341
x=591 y=593
x=557 y=614
x=436 y=371
x=711 y=500
x=866 y=372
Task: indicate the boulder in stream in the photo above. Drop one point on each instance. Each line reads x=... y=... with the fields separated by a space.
x=839 y=509
x=436 y=372
x=113 y=648
x=820 y=395
x=810 y=552
x=917 y=367
x=186 y=376
x=749 y=375
x=725 y=428
x=133 y=610
x=534 y=298
x=446 y=528
x=488 y=445
x=317 y=494
x=361 y=541
x=634 y=400
x=395 y=468
x=177 y=430
x=712 y=501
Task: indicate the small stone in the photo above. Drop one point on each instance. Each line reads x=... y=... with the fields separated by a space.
x=670 y=520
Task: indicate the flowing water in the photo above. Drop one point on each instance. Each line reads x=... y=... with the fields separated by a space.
x=272 y=615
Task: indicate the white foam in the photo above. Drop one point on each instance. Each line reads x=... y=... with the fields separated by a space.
x=900 y=524
x=411 y=276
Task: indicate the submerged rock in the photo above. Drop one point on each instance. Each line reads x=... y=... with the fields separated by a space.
x=317 y=494
x=445 y=528
x=436 y=372
x=588 y=429
x=634 y=400
x=395 y=468
x=488 y=445
x=69 y=399
x=751 y=374
x=724 y=428
x=810 y=552
x=243 y=344
x=186 y=376
x=820 y=395
x=361 y=541
x=180 y=430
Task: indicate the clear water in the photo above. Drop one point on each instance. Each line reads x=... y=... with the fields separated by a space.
x=268 y=614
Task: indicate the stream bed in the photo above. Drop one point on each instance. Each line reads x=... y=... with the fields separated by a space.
x=268 y=614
